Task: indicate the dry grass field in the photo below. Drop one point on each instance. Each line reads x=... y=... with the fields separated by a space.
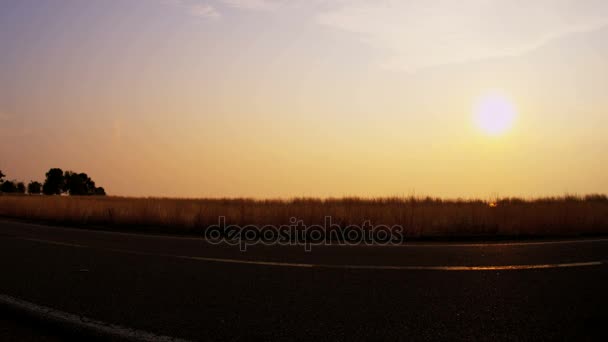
x=421 y=217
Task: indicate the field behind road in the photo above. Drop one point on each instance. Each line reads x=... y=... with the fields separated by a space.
x=420 y=217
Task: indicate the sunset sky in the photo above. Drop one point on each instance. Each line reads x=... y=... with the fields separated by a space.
x=280 y=98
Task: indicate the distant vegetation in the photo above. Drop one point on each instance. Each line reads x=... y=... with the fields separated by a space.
x=421 y=217
x=57 y=182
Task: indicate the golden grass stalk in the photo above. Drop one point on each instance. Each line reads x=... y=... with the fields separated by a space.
x=421 y=217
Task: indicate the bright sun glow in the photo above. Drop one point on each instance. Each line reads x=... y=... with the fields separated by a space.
x=494 y=114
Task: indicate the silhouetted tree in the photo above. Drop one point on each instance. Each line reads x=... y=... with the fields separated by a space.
x=34 y=188
x=77 y=184
x=80 y=184
x=8 y=187
x=100 y=191
x=20 y=188
x=2 y=175
x=54 y=183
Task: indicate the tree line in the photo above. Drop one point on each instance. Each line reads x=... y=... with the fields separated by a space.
x=57 y=182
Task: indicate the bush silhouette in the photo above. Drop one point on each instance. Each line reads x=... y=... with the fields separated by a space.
x=54 y=183
x=79 y=184
x=8 y=187
x=34 y=188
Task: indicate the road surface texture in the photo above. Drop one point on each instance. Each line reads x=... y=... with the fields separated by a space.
x=14 y=329
x=189 y=289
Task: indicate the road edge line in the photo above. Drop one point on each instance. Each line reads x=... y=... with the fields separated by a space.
x=80 y=325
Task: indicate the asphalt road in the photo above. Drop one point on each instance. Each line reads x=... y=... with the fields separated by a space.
x=16 y=329
x=186 y=288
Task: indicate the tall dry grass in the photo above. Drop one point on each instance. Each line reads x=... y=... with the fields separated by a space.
x=428 y=217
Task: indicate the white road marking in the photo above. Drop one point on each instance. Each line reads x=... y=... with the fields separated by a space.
x=471 y=268
x=389 y=267
x=244 y=262
x=331 y=266
x=114 y=332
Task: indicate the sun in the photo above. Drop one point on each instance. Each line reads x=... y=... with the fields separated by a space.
x=494 y=114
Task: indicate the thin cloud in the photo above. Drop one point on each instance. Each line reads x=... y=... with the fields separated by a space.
x=423 y=33
x=204 y=11
x=255 y=5
x=195 y=8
